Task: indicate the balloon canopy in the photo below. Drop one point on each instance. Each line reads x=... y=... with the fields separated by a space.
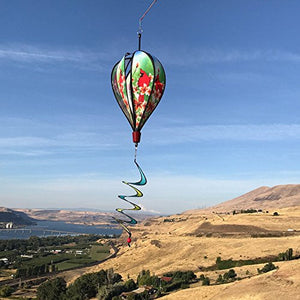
x=138 y=82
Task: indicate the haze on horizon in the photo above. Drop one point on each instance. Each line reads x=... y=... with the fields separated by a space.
x=227 y=123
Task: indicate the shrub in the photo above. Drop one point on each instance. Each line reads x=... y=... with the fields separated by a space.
x=52 y=289
x=287 y=255
x=6 y=291
x=145 y=278
x=220 y=279
x=130 y=285
x=206 y=281
x=230 y=275
x=224 y=264
x=201 y=277
x=267 y=268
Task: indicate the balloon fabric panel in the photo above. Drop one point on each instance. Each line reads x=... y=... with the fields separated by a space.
x=158 y=90
x=142 y=84
x=121 y=90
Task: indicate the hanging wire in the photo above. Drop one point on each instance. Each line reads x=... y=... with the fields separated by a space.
x=140 y=30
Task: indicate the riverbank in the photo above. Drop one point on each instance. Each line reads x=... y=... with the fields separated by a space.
x=57 y=228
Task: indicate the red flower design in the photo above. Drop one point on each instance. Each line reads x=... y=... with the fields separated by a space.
x=150 y=107
x=121 y=78
x=158 y=85
x=139 y=103
x=145 y=90
x=144 y=78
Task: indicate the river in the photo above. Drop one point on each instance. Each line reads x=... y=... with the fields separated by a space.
x=55 y=228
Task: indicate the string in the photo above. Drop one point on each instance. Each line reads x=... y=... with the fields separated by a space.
x=143 y=16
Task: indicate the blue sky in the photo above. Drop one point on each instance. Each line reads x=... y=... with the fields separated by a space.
x=227 y=123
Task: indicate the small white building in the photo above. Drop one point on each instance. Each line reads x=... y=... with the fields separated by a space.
x=9 y=225
x=26 y=256
x=5 y=260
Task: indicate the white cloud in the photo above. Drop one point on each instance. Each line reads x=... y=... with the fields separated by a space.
x=24 y=137
x=28 y=54
x=251 y=132
x=180 y=56
x=73 y=141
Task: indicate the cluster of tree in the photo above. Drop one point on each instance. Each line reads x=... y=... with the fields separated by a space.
x=287 y=255
x=32 y=271
x=267 y=268
x=247 y=211
x=169 y=220
x=6 y=291
x=176 y=280
x=145 y=278
x=12 y=249
x=34 y=243
x=105 y=284
x=52 y=289
x=230 y=263
x=227 y=277
x=224 y=264
x=205 y=280
x=185 y=276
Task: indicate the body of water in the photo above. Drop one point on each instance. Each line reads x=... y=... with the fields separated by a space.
x=55 y=228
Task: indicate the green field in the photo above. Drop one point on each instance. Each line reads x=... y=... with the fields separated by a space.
x=66 y=266
x=99 y=252
x=65 y=261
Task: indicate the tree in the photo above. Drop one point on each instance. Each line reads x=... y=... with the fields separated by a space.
x=145 y=278
x=220 y=279
x=267 y=268
x=107 y=292
x=87 y=286
x=6 y=291
x=230 y=275
x=206 y=281
x=201 y=277
x=130 y=285
x=84 y=287
x=53 y=289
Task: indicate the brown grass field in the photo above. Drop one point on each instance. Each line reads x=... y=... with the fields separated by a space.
x=195 y=239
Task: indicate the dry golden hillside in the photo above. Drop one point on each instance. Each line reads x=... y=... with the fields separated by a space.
x=279 y=196
x=193 y=241
x=283 y=283
x=187 y=242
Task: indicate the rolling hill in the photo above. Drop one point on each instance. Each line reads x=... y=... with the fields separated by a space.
x=279 y=196
x=194 y=239
x=16 y=217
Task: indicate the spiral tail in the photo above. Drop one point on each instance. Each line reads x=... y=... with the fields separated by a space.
x=138 y=193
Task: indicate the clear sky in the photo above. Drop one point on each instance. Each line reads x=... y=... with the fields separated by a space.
x=227 y=123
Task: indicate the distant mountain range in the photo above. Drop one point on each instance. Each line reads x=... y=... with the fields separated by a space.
x=279 y=196
x=264 y=197
x=16 y=217
x=86 y=217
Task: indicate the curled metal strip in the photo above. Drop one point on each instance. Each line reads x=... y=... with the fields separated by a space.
x=123 y=223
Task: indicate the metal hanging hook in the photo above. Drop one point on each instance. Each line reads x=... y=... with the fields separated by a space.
x=140 y=30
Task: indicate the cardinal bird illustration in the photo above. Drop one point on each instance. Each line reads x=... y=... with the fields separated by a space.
x=144 y=78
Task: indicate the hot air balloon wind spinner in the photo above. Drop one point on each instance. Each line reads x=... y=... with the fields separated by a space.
x=138 y=81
